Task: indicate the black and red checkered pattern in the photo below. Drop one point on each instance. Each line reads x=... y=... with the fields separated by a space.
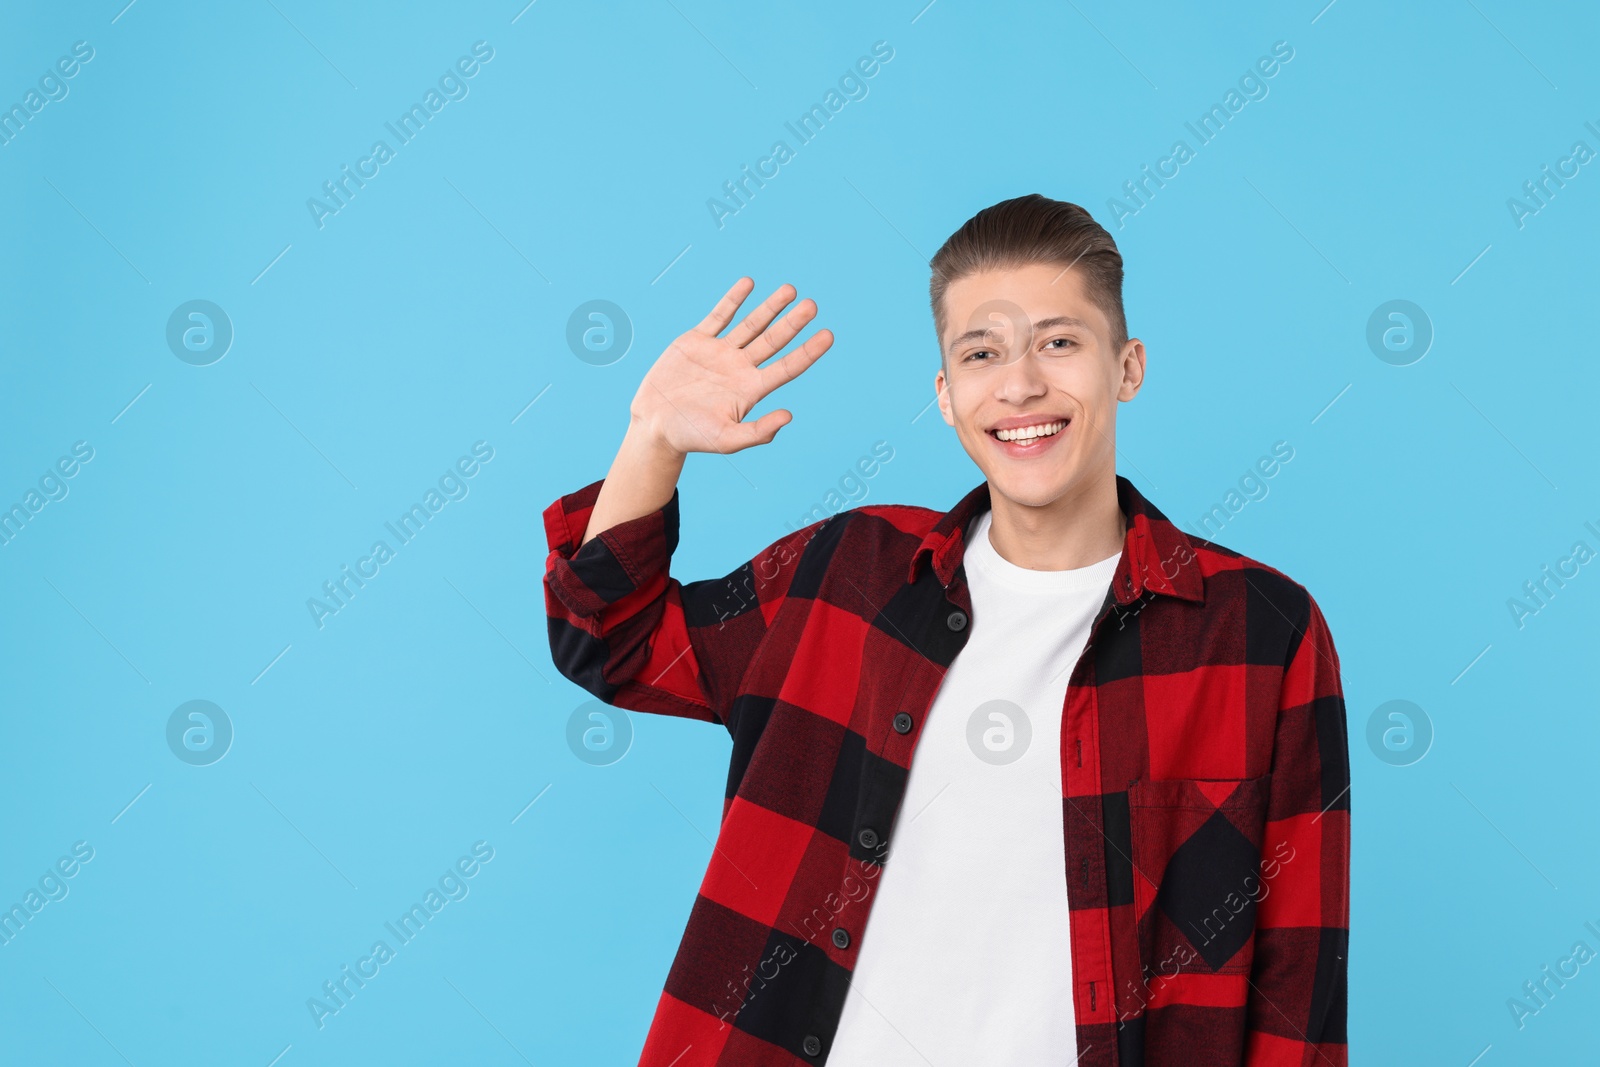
x=1206 y=781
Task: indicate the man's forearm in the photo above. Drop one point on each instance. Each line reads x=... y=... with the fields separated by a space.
x=641 y=480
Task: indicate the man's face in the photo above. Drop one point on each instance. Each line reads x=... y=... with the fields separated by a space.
x=1029 y=355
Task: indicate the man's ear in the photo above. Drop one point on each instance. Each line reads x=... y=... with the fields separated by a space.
x=1132 y=369
x=943 y=393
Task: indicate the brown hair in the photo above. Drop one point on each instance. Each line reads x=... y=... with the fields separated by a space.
x=1033 y=229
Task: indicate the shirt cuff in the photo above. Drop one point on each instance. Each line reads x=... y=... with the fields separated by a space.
x=611 y=565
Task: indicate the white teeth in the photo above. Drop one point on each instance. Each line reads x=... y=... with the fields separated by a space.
x=1028 y=433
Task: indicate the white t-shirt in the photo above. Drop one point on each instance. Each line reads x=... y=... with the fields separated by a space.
x=965 y=958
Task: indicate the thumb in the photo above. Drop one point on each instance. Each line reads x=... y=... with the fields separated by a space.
x=764 y=429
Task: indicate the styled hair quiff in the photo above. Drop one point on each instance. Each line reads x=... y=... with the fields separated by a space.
x=1033 y=229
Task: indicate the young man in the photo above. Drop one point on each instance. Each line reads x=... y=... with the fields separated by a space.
x=1040 y=779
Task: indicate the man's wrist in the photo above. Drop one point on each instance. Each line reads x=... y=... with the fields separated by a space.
x=644 y=445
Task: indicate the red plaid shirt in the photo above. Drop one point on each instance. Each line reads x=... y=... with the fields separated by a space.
x=1206 y=781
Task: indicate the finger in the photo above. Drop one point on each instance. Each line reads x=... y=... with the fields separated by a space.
x=762 y=430
x=759 y=319
x=782 y=332
x=726 y=308
x=794 y=364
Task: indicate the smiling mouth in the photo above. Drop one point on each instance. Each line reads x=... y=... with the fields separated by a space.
x=1024 y=435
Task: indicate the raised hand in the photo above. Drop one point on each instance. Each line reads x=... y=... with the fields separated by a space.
x=696 y=395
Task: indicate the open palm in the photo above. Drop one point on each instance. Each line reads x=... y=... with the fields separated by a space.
x=696 y=395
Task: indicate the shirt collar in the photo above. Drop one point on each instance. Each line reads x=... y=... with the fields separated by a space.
x=1156 y=555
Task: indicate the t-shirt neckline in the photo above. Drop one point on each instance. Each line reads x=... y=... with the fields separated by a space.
x=980 y=552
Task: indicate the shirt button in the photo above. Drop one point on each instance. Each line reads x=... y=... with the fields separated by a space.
x=841 y=937
x=957 y=620
x=1127 y=581
x=868 y=837
x=812 y=1045
x=902 y=723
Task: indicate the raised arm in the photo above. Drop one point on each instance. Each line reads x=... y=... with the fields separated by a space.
x=620 y=625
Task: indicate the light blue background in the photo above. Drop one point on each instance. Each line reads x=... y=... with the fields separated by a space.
x=428 y=313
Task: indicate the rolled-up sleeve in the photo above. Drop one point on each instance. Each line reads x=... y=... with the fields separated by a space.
x=635 y=637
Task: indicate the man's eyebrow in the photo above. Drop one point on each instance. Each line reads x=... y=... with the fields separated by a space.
x=1042 y=324
x=1060 y=320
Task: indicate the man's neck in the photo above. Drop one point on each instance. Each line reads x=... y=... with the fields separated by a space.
x=1079 y=529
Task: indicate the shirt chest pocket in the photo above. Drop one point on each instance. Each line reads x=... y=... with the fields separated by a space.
x=1197 y=871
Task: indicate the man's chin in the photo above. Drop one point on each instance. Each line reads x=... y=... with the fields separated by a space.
x=1030 y=488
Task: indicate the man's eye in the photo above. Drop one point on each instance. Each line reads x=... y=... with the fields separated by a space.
x=1063 y=341
x=974 y=355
